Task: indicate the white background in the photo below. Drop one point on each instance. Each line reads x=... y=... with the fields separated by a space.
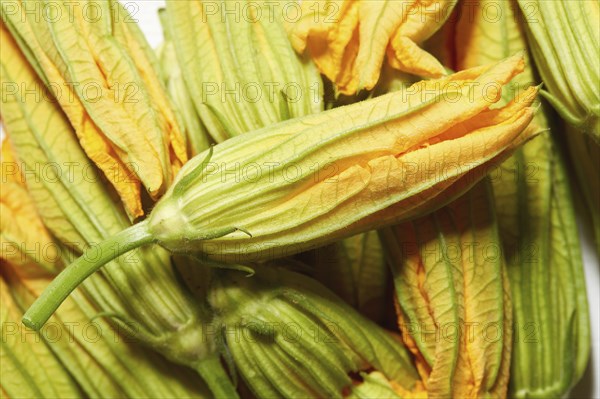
x=145 y=12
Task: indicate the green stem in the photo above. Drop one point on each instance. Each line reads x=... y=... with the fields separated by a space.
x=212 y=372
x=70 y=278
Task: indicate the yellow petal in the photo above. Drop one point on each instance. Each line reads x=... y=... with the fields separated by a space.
x=451 y=293
x=326 y=28
x=378 y=21
x=369 y=149
x=120 y=106
x=405 y=55
x=10 y=169
x=530 y=189
x=132 y=38
x=23 y=237
x=42 y=136
x=423 y=19
x=30 y=368
x=348 y=39
x=52 y=67
x=105 y=80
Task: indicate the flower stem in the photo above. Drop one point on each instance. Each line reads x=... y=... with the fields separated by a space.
x=70 y=278
x=214 y=375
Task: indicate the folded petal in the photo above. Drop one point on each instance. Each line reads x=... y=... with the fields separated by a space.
x=105 y=82
x=451 y=287
x=23 y=236
x=536 y=219
x=348 y=39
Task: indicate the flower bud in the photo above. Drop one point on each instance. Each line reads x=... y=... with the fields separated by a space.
x=238 y=63
x=539 y=235
x=564 y=37
x=311 y=180
x=101 y=71
x=340 y=37
x=291 y=337
x=29 y=367
x=453 y=296
x=75 y=206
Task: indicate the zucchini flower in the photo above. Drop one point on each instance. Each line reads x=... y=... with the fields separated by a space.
x=291 y=337
x=564 y=37
x=115 y=365
x=20 y=222
x=454 y=297
x=29 y=368
x=101 y=71
x=585 y=157
x=349 y=39
x=229 y=204
x=236 y=59
x=537 y=227
x=79 y=211
x=196 y=134
x=327 y=176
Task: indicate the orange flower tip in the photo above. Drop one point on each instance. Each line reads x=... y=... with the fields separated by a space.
x=518 y=62
x=521 y=65
x=529 y=95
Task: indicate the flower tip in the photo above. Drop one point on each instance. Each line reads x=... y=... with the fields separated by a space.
x=532 y=130
x=514 y=63
x=529 y=95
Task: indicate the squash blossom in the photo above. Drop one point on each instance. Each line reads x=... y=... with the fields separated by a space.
x=72 y=200
x=284 y=68
x=24 y=359
x=196 y=135
x=564 y=37
x=585 y=156
x=536 y=221
x=20 y=222
x=349 y=39
x=245 y=83
x=453 y=297
x=291 y=337
x=18 y=354
x=103 y=74
x=115 y=366
x=329 y=176
x=278 y=382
